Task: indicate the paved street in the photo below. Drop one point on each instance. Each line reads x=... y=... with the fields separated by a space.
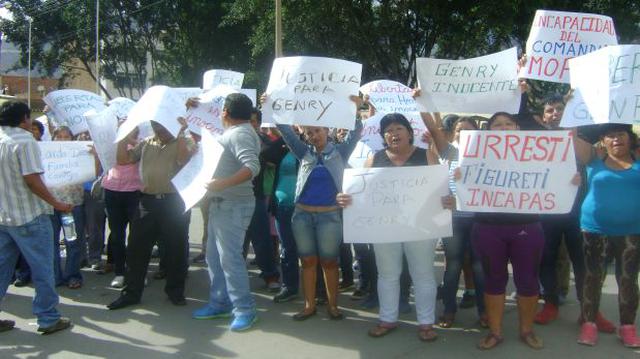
x=157 y=329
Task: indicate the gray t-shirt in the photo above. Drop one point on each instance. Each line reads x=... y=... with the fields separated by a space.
x=241 y=149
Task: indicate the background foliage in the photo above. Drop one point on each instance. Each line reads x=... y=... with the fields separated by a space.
x=181 y=39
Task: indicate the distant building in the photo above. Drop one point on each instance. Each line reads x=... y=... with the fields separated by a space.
x=13 y=77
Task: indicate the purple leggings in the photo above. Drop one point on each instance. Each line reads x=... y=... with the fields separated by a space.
x=497 y=244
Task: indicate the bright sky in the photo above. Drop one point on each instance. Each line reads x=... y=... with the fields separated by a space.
x=5 y=14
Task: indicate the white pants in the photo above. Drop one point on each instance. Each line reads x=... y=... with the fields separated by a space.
x=389 y=262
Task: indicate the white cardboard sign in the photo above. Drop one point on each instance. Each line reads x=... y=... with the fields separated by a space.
x=213 y=78
x=161 y=104
x=69 y=106
x=606 y=87
x=390 y=96
x=399 y=204
x=207 y=114
x=67 y=162
x=557 y=36
x=516 y=172
x=486 y=84
x=103 y=127
x=312 y=91
x=191 y=180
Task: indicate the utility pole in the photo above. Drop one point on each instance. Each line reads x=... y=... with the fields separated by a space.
x=98 y=47
x=30 y=20
x=278 y=28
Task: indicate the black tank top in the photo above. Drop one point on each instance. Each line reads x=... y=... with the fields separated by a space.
x=417 y=158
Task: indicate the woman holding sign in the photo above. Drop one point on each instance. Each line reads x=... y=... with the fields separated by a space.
x=397 y=134
x=74 y=242
x=316 y=220
x=455 y=247
x=610 y=222
x=500 y=238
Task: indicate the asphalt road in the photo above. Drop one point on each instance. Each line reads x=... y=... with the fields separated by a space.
x=157 y=329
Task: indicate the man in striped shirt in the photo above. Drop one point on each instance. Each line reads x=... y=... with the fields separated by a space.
x=25 y=205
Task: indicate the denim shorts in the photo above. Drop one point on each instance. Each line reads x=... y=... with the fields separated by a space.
x=317 y=233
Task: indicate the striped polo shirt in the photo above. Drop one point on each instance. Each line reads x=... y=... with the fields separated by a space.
x=19 y=156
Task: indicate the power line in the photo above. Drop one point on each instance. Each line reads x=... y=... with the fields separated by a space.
x=43 y=8
x=71 y=34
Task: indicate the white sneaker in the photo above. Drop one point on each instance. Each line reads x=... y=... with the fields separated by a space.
x=118 y=281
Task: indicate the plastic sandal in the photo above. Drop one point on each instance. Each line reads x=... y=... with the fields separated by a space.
x=532 y=340
x=446 y=320
x=303 y=315
x=427 y=334
x=490 y=341
x=381 y=330
x=335 y=314
x=74 y=284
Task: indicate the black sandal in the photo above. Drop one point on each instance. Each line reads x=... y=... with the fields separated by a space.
x=335 y=314
x=304 y=315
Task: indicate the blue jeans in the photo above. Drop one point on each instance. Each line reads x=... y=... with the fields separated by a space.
x=455 y=249
x=74 y=248
x=317 y=234
x=228 y=223
x=33 y=240
x=259 y=233
x=420 y=255
x=288 y=249
x=23 y=272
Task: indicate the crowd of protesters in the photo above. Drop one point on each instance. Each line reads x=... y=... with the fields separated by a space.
x=281 y=187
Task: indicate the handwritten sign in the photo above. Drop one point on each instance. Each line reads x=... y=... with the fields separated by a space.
x=516 y=172
x=400 y=204
x=390 y=96
x=557 y=36
x=161 y=104
x=484 y=84
x=185 y=93
x=606 y=87
x=312 y=91
x=103 y=127
x=207 y=114
x=121 y=106
x=67 y=162
x=191 y=181
x=372 y=142
x=213 y=78
x=69 y=106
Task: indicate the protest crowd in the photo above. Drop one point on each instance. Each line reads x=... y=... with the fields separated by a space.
x=320 y=175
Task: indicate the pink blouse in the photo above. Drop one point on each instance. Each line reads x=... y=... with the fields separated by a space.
x=123 y=178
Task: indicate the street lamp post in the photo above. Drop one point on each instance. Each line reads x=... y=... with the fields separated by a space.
x=30 y=20
x=278 y=28
x=98 y=47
